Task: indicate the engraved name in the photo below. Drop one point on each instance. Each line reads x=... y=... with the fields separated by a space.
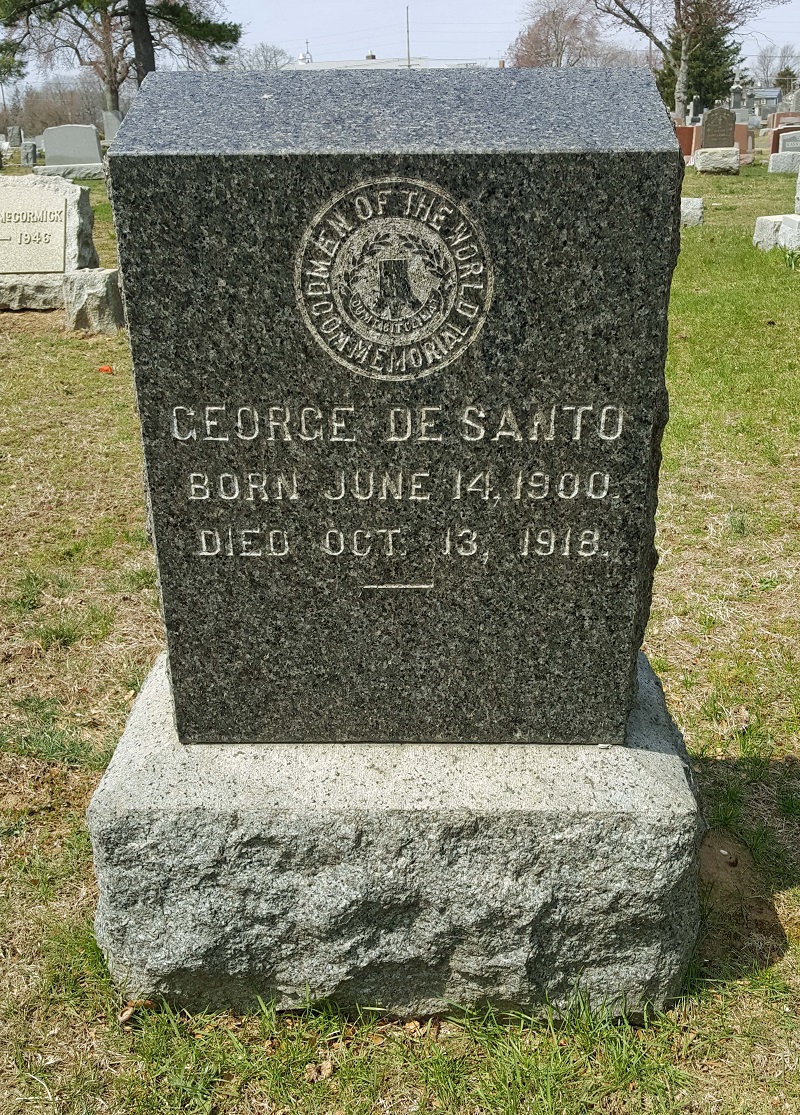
x=471 y=423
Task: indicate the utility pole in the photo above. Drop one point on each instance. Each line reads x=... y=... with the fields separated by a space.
x=408 y=40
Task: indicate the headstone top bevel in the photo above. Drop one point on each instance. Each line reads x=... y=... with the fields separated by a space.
x=413 y=111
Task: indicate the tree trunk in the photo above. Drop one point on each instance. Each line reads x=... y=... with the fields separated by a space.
x=111 y=95
x=110 y=72
x=143 y=50
x=682 y=76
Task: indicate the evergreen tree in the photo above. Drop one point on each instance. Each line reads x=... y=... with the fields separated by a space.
x=786 y=79
x=712 y=66
x=116 y=38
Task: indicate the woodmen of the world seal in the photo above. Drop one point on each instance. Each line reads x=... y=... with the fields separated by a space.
x=393 y=278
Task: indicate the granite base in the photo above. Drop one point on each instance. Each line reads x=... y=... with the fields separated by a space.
x=410 y=877
x=32 y=292
x=92 y=301
x=73 y=170
x=717 y=160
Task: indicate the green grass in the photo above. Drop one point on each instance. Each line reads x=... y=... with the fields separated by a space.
x=79 y=629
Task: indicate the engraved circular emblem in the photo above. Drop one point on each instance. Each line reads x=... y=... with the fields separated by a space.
x=393 y=279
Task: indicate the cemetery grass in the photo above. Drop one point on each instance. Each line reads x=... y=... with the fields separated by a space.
x=80 y=629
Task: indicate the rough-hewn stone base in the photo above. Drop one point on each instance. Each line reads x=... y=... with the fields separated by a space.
x=31 y=292
x=717 y=160
x=410 y=877
x=92 y=301
x=73 y=170
x=784 y=162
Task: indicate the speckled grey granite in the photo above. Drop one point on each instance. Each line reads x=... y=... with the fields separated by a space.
x=92 y=301
x=567 y=185
x=411 y=877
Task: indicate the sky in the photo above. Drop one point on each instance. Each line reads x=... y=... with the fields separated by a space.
x=440 y=29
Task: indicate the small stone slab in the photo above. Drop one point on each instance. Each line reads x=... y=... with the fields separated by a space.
x=691 y=211
x=765 y=236
x=797 y=196
x=400 y=375
x=410 y=878
x=789 y=233
x=784 y=162
x=717 y=160
x=45 y=226
x=28 y=154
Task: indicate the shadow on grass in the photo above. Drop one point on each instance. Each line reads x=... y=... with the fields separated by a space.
x=750 y=855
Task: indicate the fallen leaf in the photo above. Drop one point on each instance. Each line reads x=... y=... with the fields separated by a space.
x=322 y=1071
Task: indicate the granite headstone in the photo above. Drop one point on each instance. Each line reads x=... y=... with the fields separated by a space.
x=28 y=154
x=718 y=128
x=15 y=136
x=399 y=344
x=111 y=123
x=72 y=143
x=399 y=496
x=72 y=151
x=790 y=141
x=45 y=232
x=45 y=226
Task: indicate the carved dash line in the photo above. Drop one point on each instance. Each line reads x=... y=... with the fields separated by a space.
x=400 y=586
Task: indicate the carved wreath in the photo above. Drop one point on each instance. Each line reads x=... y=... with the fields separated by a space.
x=437 y=262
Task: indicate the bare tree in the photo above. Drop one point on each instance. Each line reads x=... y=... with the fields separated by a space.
x=558 y=33
x=765 y=64
x=263 y=56
x=565 y=33
x=97 y=34
x=681 y=20
x=788 y=58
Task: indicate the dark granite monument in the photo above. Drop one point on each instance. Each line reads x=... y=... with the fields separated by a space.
x=401 y=411
x=718 y=128
x=399 y=344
